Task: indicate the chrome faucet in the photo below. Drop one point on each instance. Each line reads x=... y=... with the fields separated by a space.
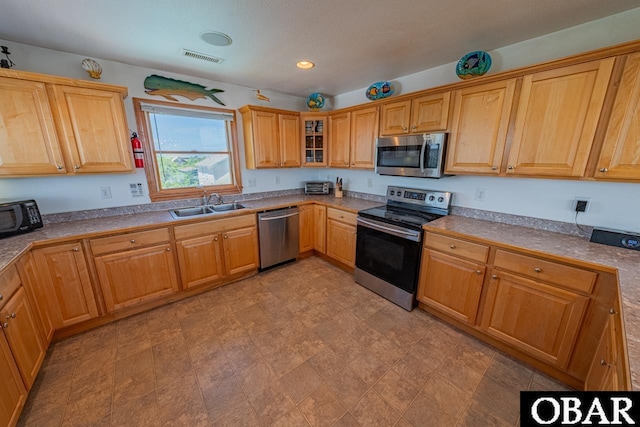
x=207 y=200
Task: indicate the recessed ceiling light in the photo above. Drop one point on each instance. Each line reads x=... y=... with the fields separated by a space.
x=305 y=65
x=216 y=38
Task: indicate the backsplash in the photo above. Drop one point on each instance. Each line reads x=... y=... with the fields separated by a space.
x=524 y=221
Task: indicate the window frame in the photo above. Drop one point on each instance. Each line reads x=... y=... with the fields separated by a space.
x=151 y=167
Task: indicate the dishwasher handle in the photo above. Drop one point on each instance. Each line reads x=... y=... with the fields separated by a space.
x=270 y=218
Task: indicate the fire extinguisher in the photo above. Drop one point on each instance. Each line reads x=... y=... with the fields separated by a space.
x=137 y=150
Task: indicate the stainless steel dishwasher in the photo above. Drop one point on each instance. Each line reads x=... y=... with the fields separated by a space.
x=279 y=232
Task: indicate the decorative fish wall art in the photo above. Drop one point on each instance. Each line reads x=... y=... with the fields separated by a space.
x=164 y=86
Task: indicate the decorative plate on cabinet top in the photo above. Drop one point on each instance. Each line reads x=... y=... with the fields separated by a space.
x=315 y=101
x=473 y=64
x=379 y=90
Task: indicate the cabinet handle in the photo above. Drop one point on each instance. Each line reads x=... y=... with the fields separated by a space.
x=604 y=170
x=5 y=325
x=59 y=167
x=452 y=246
x=404 y=128
x=353 y=164
x=493 y=276
x=537 y=269
x=133 y=240
x=76 y=167
x=215 y=239
x=494 y=168
x=478 y=271
x=168 y=249
x=510 y=167
x=13 y=316
x=604 y=363
x=346 y=163
x=611 y=310
x=1 y=298
x=226 y=237
x=75 y=249
x=414 y=127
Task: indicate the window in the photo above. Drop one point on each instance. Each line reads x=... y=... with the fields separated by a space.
x=188 y=149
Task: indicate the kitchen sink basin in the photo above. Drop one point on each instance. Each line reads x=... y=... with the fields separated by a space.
x=205 y=210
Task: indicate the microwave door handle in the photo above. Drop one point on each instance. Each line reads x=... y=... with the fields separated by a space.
x=422 y=151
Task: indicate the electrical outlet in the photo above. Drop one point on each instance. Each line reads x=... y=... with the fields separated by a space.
x=581 y=204
x=480 y=194
x=136 y=189
x=105 y=192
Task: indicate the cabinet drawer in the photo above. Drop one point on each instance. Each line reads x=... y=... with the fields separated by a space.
x=9 y=284
x=212 y=227
x=560 y=274
x=342 y=216
x=128 y=241
x=457 y=247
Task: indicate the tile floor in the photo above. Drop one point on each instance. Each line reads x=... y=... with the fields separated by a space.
x=301 y=345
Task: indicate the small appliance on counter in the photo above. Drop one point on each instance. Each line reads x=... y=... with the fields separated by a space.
x=17 y=217
x=317 y=187
x=621 y=239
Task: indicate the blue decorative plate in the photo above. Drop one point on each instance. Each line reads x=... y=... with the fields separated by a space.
x=473 y=64
x=379 y=90
x=315 y=101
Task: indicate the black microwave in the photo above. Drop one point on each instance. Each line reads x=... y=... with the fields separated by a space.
x=19 y=217
x=412 y=155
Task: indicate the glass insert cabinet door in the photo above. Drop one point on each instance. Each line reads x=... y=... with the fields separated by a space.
x=314 y=139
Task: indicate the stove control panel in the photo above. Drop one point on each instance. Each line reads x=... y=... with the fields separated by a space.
x=417 y=196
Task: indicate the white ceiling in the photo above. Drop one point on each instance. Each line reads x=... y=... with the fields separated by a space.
x=352 y=42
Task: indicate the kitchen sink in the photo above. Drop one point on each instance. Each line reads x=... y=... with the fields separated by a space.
x=205 y=210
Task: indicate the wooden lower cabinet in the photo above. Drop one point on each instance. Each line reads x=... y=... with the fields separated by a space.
x=602 y=372
x=306 y=228
x=320 y=229
x=65 y=282
x=212 y=257
x=12 y=391
x=341 y=236
x=537 y=318
x=23 y=335
x=31 y=282
x=451 y=284
x=133 y=277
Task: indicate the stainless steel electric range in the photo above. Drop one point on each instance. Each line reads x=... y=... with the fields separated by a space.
x=389 y=242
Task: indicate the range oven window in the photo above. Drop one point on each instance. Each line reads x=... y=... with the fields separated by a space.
x=388 y=257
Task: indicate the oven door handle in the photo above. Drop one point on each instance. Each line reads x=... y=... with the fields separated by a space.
x=409 y=235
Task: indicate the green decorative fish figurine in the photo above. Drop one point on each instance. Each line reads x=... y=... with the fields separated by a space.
x=164 y=86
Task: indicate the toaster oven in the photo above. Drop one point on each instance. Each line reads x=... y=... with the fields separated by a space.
x=317 y=187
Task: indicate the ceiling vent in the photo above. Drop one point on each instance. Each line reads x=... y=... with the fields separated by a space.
x=203 y=56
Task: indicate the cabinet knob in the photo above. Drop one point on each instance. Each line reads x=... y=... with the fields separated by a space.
x=353 y=164
x=414 y=127
x=346 y=163
x=493 y=276
x=452 y=246
x=226 y=237
x=494 y=168
x=478 y=271
x=537 y=269
x=604 y=363
x=510 y=167
x=215 y=239
x=75 y=249
x=611 y=310
x=13 y=316
x=604 y=170
x=133 y=240
x=59 y=167
x=76 y=167
x=1 y=298
x=404 y=128
x=168 y=249
x=5 y=325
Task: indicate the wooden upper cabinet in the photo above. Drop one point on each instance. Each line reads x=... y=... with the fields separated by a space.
x=339 y=140
x=28 y=140
x=479 y=128
x=620 y=155
x=364 y=131
x=557 y=118
x=271 y=137
x=289 y=140
x=422 y=114
x=315 y=130
x=94 y=131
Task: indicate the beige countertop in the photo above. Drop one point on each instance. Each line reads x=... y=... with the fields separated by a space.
x=625 y=261
x=11 y=247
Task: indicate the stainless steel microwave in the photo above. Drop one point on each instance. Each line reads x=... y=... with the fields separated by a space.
x=416 y=155
x=19 y=217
